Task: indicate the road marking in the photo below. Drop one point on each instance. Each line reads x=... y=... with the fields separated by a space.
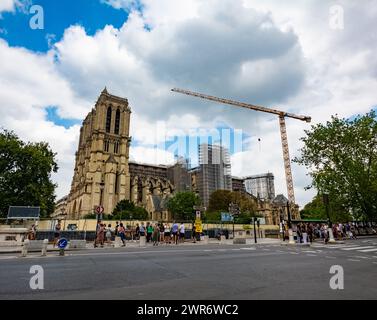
x=7 y=257
x=247 y=249
x=293 y=252
x=356 y=248
x=354 y=260
x=266 y=249
x=310 y=251
x=236 y=249
x=311 y=255
x=362 y=257
x=369 y=250
x=207 y=250
x=328 y=257
x=374 y=262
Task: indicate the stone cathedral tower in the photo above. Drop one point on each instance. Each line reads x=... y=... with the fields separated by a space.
x=101 y=174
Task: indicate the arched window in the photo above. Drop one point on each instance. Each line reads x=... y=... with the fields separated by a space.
x=117 y=122
x=108 y=119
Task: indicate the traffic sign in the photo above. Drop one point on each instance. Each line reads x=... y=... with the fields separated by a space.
x=199 y=208
x=100 y=209
x=62 y=243
x=198 y=215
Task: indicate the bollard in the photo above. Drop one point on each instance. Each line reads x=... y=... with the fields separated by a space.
x=118 y=242
x=305 y=238
x=222 y=239
x=24 y=248
x=143 y=241
x=291 y=238
x=61 y=252
x=44 y=247
x=205 y=239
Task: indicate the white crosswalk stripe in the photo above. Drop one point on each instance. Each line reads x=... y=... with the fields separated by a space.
x=369 y=250
x=356 y=248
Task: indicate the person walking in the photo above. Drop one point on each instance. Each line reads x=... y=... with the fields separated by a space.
x=137 y=232
x=122 y=233
x=101 y=235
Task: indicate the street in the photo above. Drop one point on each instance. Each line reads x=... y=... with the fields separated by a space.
x=236 y=272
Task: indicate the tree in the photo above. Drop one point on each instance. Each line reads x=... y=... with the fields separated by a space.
x=25 y=174
x=126 y=210
x=342 y=158
x=220 y=199
x=316 y=210
x=181 y=205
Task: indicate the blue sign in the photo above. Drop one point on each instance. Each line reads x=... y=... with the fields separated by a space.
x=226 y=217
x=62 y=243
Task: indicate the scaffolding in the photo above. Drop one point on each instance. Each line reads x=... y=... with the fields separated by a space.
x=214 y=170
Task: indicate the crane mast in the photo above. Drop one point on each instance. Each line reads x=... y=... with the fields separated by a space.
x=283 y=130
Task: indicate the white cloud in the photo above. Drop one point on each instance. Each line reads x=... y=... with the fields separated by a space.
x=263 y=52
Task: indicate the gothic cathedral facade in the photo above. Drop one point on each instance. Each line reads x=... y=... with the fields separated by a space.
x=101 y=175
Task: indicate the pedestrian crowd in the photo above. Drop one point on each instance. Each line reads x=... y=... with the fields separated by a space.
x=313 y=231
x=156 y=233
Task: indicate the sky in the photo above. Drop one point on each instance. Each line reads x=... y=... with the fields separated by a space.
x=315 y=58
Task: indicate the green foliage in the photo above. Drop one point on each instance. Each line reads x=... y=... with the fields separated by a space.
x=25 y=174
x=342 y=158
x=181 y=205
x=126 y=210
x=219 y=202
x=316 y=210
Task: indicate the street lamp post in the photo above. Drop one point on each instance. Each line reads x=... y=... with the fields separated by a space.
x=290 y=231
x=255 y=231
x=325 y=197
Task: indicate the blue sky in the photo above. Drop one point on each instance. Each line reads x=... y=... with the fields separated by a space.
x=58 y=15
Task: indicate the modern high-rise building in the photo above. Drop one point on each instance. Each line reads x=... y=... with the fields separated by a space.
x=214 y=171
x=261 y=186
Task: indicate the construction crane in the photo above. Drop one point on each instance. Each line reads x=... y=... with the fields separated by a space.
x=283 y=130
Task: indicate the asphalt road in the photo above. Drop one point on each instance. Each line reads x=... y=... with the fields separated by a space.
x=197 y=272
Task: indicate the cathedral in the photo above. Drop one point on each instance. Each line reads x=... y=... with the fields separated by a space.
x=103 y=175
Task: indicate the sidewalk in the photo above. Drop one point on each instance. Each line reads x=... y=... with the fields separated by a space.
x=135 y=244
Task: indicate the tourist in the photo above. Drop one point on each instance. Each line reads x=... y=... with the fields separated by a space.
x=162 y=232
x=193 y=230
x=149 y=231
x=167 y=235
x=122 y=233
x=142 y=230
x=116 y=228
x=137 y=232
x=182 y=233
x=108 y=234
x=155 y=235
x=101 y=235
x=57 y=232
x=32 y=232
x=174 y=231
